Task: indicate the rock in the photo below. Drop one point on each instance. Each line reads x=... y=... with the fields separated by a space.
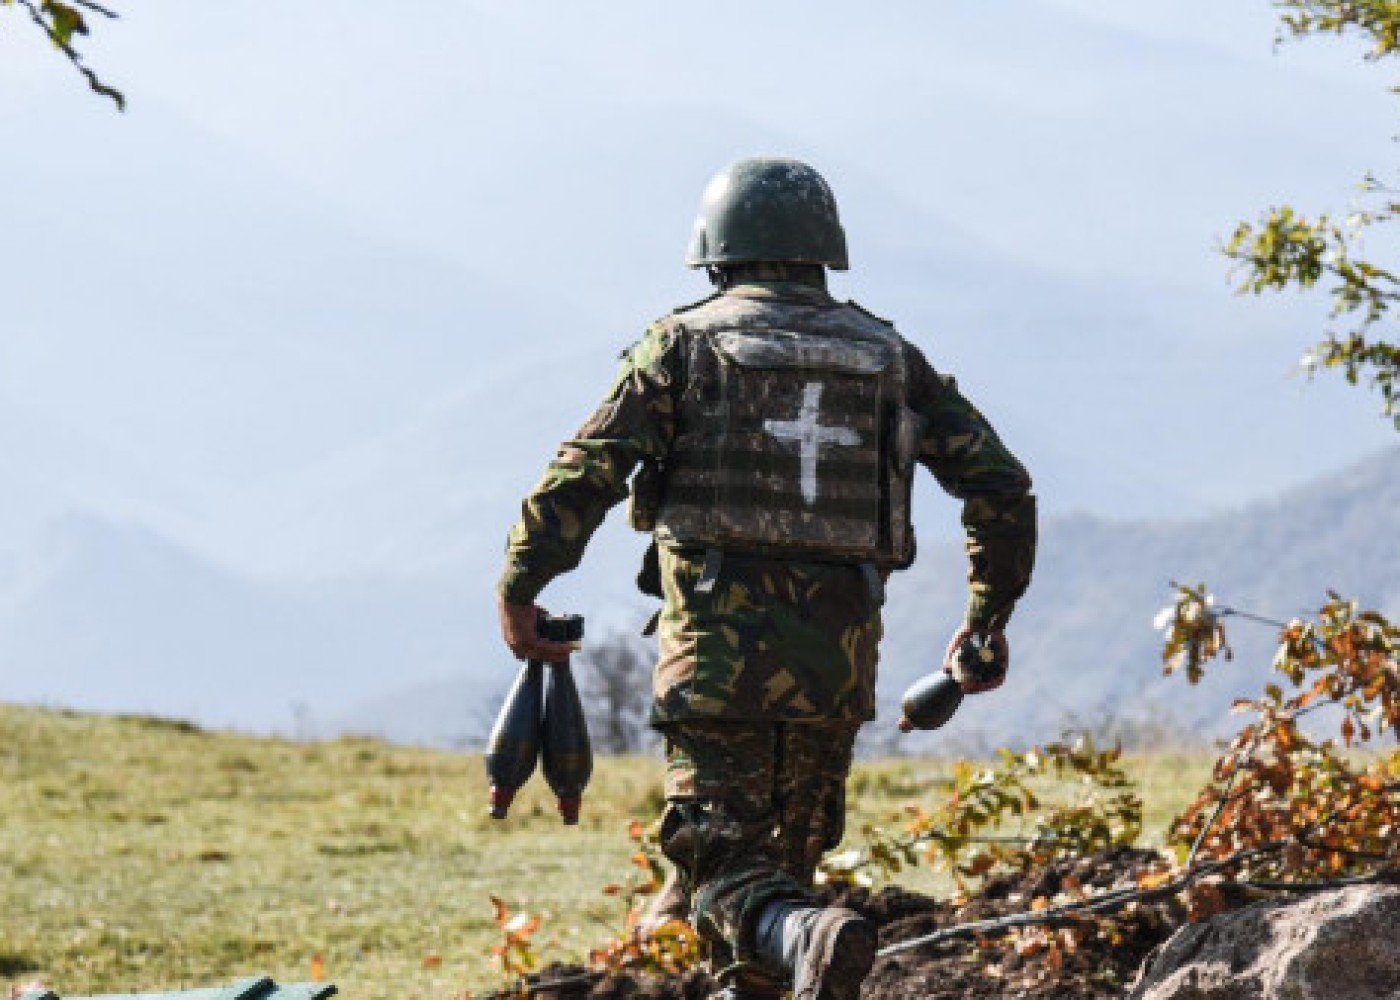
x=1337 y=945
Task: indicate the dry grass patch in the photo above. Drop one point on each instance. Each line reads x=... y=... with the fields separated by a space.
x=139 y=853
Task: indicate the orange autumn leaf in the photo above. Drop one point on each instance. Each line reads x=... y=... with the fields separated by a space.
x=1153 y=880
x=981 y=864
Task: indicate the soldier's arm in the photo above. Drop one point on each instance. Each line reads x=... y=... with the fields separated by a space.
x=963 y=451
x=589 y=473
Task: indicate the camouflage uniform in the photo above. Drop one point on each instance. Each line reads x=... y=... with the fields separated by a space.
x=751 y=809
x=763 y=681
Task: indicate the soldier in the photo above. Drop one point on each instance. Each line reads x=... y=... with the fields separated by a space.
x=777 y=432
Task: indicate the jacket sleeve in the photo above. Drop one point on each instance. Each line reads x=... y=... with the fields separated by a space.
x=589 y=473
x=970 y=462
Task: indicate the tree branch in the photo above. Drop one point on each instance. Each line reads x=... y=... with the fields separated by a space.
x=94 y=83
x=1110 y=902
x=96 y=8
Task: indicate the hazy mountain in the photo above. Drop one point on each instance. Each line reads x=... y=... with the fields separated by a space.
x=112 y=616
x=283 y=348
x=1084 y=647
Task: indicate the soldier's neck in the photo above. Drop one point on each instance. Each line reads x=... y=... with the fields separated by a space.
x=775 y=274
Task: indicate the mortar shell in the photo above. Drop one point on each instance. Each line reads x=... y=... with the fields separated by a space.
x=514 y=746
x=566 y=751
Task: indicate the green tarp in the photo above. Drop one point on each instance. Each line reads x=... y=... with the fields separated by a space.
x=260 y=988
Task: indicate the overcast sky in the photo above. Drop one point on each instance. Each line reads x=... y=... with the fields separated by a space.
x=321 y=224
x=282 y=346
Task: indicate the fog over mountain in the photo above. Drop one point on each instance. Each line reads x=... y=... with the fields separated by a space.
x=1085 y=652
x=112 y=616
x=282 y=347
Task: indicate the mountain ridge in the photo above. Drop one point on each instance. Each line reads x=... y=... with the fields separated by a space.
x=1098 y=584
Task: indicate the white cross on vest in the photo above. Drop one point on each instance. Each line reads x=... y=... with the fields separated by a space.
x=809 y=435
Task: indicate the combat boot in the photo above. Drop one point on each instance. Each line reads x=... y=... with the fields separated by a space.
x=827 y=951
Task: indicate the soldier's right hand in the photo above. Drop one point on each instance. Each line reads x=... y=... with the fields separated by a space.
x=520 y=630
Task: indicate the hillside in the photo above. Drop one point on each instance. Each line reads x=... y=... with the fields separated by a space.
x=141 y=854
x=1084 y=648
x=113 y=616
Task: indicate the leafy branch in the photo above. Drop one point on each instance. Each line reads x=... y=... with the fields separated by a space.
x=60 y=21
x=1021 y=788
x=1277 y=783
x=1282 y=813
x=1074 y=913
x=1377 y=21
x=1285 y=250
x=668 y=949
x=1194 y=632
x=514 y=956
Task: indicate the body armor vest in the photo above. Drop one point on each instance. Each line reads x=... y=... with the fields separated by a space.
x=793 y=434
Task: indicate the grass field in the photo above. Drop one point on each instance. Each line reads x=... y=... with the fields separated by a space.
x=145 y=854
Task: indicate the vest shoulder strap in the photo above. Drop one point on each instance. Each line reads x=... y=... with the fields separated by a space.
x=867 y=313
x=691 y=306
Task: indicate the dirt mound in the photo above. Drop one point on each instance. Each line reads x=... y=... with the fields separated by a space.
x=1060 y=964
x=566 y=982
x=1065 y=963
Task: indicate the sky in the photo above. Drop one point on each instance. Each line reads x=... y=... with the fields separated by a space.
x=318 y=306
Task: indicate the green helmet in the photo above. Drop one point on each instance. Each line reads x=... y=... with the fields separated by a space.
x=768 y=209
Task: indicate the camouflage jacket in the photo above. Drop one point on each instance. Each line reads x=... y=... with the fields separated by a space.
x=774 y=639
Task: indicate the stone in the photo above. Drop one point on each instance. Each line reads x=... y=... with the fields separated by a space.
x=1342 y=944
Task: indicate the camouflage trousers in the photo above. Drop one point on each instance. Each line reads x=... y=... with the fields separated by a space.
x=750 y=809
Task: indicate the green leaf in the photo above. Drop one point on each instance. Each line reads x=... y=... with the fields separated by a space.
x=65 y=21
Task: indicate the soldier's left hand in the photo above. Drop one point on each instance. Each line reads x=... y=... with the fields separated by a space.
x=976 y=684
x=520 y=630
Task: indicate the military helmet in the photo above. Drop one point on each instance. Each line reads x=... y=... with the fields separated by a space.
x=767 y=208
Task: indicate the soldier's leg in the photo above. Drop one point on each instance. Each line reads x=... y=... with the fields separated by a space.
x=828 y=951
x=719 y=831
x=813 y=763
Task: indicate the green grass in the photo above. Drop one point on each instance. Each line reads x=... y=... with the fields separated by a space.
x=144 y=854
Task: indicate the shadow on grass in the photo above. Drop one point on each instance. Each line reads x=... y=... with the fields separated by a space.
x=15 y=965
